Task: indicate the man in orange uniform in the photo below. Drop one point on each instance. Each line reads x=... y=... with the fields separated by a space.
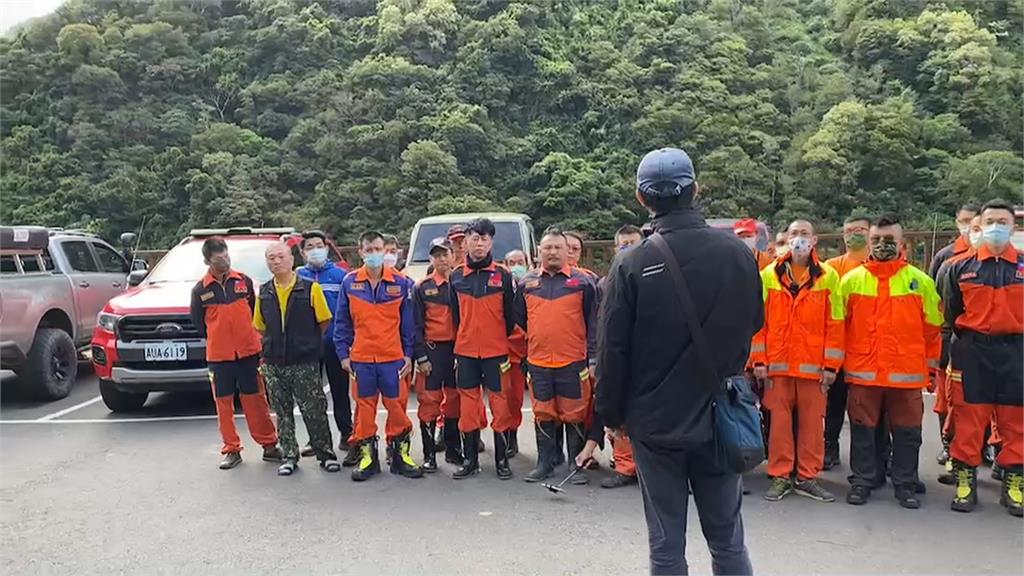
x=555 y=306
x=746 y=230
x=375 y=335
x=221 y=309
x=482 y=308
x=855 y=236
x=984 y=298
x=435 y=359
x=515 y=261
x=893 y=341
x=797 y=355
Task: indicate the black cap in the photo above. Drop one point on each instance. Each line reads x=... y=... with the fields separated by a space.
x=456 y=231
x=439 y=243
x=665 y=172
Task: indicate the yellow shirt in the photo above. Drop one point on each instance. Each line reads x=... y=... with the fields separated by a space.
x=316 y=296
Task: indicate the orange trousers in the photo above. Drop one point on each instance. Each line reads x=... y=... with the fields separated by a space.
x=807 y=397
x=622 y=451
x=516 y=394
x=241 y=376
x=379 y=381
x=1007 y=424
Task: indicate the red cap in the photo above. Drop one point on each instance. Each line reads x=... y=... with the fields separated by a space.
x=456 y=231
x=746 y=225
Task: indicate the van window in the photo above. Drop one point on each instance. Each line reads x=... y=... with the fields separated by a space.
x=30 y=263
x=8 y=265
x=506 y=238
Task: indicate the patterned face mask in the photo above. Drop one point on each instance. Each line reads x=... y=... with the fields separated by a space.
x=885 y=250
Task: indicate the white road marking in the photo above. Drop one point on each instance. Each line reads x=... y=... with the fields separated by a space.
x=49 y=419
x=65 y=411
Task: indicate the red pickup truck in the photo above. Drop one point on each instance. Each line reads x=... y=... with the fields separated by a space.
x=145 y=341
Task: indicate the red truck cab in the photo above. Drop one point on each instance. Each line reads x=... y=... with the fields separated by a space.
x=145 y=340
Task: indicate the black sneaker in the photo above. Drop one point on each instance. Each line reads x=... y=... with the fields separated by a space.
x=907 y=497
x=813 y=490
x=778 y=490
x=307 y=451
x=858 y=495
x=831 y=458
x=618 y=481
x=231 y=459
x=997 y=472
x=272 y=454
x=351 y=458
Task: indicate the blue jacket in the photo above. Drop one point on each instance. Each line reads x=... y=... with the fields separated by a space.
x=329 y=277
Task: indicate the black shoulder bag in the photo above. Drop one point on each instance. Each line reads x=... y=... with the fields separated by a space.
x=739 y=445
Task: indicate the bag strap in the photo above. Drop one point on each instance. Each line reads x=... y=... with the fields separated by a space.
x=688 y=308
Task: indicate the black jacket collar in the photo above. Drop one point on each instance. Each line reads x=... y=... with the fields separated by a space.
x=683 y=218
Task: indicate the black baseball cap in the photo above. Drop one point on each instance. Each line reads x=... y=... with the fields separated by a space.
x=441 y=243
x=665 y=172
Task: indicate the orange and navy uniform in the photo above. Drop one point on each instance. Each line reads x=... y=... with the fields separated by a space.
x=483 y=295
x=557 y=312
x=435 y=342
x=947 y=377
x=984 y=300
x=375 y=331
x=222 y=313
x=803 y=336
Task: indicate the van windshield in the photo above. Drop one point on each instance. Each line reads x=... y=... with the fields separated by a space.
x=507 y=238
x=184 y=263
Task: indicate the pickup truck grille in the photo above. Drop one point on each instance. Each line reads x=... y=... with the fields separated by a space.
x=177 y=327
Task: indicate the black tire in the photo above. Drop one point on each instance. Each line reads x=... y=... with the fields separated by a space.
x=51 y=368
x=119 y=400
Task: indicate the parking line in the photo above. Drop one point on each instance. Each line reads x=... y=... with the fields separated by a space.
x=78 y=406
x=50 y=418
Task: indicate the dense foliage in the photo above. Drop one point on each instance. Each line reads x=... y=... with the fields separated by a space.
x=349 y=114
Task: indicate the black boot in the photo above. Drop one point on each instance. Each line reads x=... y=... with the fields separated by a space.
x=452 y=442
x=831 y=457
x=429 y=447
x=513 y=443
x=439 y=443
x=545 y=452
x=965 y=496
x=368 y=461
x=1012 y=494
x=501 y=456
x=906 y=450
x=864 y=457
x=575 y=439
x=559 y=445
x=471 y=464
x=400 y=460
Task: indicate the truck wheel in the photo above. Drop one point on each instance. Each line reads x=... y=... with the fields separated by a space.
x=119 y=400
x=52 y=365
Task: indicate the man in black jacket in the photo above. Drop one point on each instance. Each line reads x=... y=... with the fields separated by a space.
x=647 y=385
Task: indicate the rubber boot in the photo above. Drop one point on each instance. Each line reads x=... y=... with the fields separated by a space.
x=429 y=447
x=575 y=439
x=545 y=452
x=369 y=461
x=439 y=444
x=501 y=456
x=513 y=443
x=471 y=464
x=452 y=442
x=1012 y=496
x=559 y=445
x=401 y=461
x=965 y=497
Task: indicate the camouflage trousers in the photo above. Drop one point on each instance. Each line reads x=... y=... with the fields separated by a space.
x=300 y=384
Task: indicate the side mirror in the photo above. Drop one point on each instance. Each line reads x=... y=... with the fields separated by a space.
x=136 y=277
x=139 y=264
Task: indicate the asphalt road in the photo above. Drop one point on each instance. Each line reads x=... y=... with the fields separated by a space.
x=84 y=491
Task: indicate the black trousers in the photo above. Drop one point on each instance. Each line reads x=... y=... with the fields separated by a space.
x=835 y=410
x=339 y=381
x=665 y=474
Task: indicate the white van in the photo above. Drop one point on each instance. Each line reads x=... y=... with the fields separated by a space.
x=512 y=232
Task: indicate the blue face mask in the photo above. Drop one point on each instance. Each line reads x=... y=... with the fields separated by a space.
x=374 y=260
x=518 y=271
x=996 y=235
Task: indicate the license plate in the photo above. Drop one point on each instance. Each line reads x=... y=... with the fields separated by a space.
x=166 y=352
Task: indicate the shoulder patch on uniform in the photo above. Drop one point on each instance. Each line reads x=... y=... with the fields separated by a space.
x=206 y=296
x=495 y=280
x=968 y=275
x=572 y=282
x=241 y=288
x=430 y=292
x=358 y=286
x=394 y=290
x=914 y=285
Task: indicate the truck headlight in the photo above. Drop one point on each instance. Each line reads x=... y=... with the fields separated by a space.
x=107 y=321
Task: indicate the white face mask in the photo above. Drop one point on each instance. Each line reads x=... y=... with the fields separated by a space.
x=316 y=257
x=800 y=246
x=390 y=259
x=965 y=229
x=750 y=242
x=975 y=238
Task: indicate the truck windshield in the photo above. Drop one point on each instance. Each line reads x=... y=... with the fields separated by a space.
x=507 y=238
x=184 y=263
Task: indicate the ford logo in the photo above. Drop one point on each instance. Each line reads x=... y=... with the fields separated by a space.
x=168 y=329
